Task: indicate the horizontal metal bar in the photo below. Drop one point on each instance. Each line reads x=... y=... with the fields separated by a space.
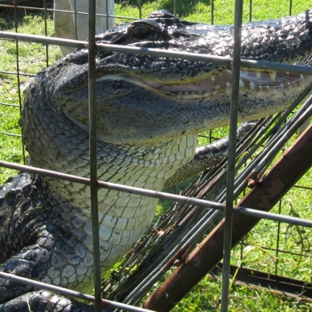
x=7 y=104
x=11 y=134
x=69 y=292
x=159 y=195
x=303 y=187
x=268 y=280
x=272 y=66
x=114 y=186
x=16 y=73
x=24 y=7
x=273 y=216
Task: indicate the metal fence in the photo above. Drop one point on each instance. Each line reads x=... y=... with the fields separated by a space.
x=230 y=183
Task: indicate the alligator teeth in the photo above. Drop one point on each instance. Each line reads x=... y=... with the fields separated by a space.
x=287 y=73
x=213 y=77
x=252 y=85
x=268 y=87
x=260 y=87
x=228 y=84
x=302 y=77
x=241 y=83
x=272 y=75
x=258 y=73
x=229 y=72
x=282 y=86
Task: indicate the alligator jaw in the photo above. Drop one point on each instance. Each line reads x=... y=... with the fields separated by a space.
x=255 y=80
x=168 y=112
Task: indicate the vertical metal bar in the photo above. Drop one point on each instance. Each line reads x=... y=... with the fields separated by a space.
x=107 y=14
x=290 y=7
x=212 y=12
x=45 y=18
x=93 y=156
x=140 y=9
x=19 y=91
x=231 y=159
x=75 y=19
x=278 y=237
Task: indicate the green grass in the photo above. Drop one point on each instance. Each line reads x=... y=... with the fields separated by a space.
x=31 y=59
x=206 y=295
x=200 y=11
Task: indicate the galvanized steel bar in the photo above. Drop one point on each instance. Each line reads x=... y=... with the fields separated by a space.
x=11 y=134
x=44 y=8
x=114 y=186
x=93 y=156
x=272 y=216
x=7 y=104
x=159 y=53
x=284 y=135
x=154 y=194
x=278 y=141
x=16 y=73
x=69 y=292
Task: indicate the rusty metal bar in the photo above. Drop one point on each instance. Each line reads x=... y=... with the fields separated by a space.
x=254 y=278
x=287 y=171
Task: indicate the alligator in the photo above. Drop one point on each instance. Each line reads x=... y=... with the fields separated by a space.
x=149 y=113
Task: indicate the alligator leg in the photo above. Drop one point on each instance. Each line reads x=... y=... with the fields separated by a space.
x=37 y=247
x=43 y=261
x=206 y=156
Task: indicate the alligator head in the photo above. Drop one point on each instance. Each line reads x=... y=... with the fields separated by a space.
x=175 y=97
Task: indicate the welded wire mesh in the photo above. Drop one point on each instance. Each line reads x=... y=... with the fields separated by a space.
x=255 y=153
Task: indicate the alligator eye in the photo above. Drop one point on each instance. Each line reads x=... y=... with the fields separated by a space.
x=140 y=31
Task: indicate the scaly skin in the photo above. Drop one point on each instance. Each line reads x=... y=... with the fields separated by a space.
x=149 y=113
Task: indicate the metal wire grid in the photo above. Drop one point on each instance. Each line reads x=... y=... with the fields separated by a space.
x=93 y=181
x=179 y=229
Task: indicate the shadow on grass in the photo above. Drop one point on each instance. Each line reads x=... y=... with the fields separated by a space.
x=183 y=7
x=10 y=16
